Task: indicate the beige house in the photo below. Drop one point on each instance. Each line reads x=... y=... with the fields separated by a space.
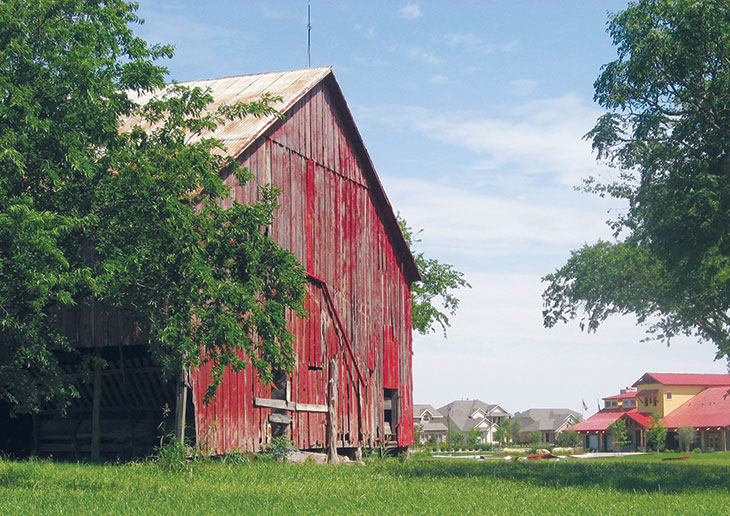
x=550 y=422
x=464 y=415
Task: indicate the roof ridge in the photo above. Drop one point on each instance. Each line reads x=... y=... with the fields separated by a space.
x=328 y=68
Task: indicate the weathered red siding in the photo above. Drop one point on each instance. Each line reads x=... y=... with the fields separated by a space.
x=334 y=219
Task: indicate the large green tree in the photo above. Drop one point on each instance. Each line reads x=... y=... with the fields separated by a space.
x=433 y=299
x=132 y=220
x=667 y=128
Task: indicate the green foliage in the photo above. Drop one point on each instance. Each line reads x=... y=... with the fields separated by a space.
x=280 y=448
x=134 y=220
x=514 y=426
x=433 y=299
x=417 y=433
x=686 y=436
x=667 y=98
x=656 y=435
x=473 y=437
x=508 y=430
x=454 y=439
x=534 y=437
x=618 y=431
x=174 y=455
x=568 y=439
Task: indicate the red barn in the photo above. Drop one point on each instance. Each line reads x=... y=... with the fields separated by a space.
x=336 y=218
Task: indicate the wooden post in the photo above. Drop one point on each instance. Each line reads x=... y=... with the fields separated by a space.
x=181 y=402
x=96 y=412
x=333 y=379
x=702 y=440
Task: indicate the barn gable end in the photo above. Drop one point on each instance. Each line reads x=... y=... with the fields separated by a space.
x=336 y=219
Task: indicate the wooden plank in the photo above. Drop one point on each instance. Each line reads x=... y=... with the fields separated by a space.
x=310 y=407
x=282 y=419
x=275 y=404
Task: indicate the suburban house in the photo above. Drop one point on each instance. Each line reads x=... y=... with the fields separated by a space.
x=336 y=218
x=430 y=423
x=700 y=401
x=549 y=422
x=464 y=415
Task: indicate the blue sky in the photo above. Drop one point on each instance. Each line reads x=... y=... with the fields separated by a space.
x=473 y=116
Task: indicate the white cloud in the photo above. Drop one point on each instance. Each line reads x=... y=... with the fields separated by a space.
x=477 y=225
x=440 y=79
x=469 y=42
x=411 y=11
x=271 y=13
x=535 y=137
x=418 y=53
x=475 y=44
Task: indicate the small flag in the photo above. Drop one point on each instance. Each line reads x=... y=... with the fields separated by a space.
x=585 y=407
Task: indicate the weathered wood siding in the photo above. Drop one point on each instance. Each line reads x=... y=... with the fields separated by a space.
x=359 y=298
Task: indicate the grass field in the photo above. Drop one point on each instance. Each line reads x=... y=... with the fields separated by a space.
x=640 y=486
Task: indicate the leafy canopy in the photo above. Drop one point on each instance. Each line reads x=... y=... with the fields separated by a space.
x=667 y=128
x=433 y=299
x=133 y=221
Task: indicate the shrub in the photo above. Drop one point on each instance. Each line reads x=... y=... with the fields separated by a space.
x=656 y=434
x=568 y=439
x=686 y=436
x=173 y=454
x=280 y=448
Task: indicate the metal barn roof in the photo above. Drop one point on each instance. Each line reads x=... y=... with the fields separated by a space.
x=236 y=135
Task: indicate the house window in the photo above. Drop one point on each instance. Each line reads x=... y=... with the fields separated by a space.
x=669 y=395
x=426 y=418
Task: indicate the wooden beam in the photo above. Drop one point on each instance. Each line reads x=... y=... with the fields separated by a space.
x=289 y=405
x=275 y=404
x=310 y=407
x=332 y=382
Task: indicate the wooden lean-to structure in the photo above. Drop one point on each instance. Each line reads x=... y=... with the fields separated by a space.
x=337 y=220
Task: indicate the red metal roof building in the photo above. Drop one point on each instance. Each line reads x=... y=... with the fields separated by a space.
x=700 y=401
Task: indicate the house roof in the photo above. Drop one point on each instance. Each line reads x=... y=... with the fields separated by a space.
x=684 y=379
x=545 y=420
x=419 y=409
x=291 y=86
x=460 y=412
x=434 y=426
x=709 y=408
x=600 y=421
x=623 y=396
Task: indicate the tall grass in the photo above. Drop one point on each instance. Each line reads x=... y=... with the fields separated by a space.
x=382 y=487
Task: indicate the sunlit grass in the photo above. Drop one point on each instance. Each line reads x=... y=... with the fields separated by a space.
x=382 y=487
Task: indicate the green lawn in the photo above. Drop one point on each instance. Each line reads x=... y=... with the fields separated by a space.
x=607 y=486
